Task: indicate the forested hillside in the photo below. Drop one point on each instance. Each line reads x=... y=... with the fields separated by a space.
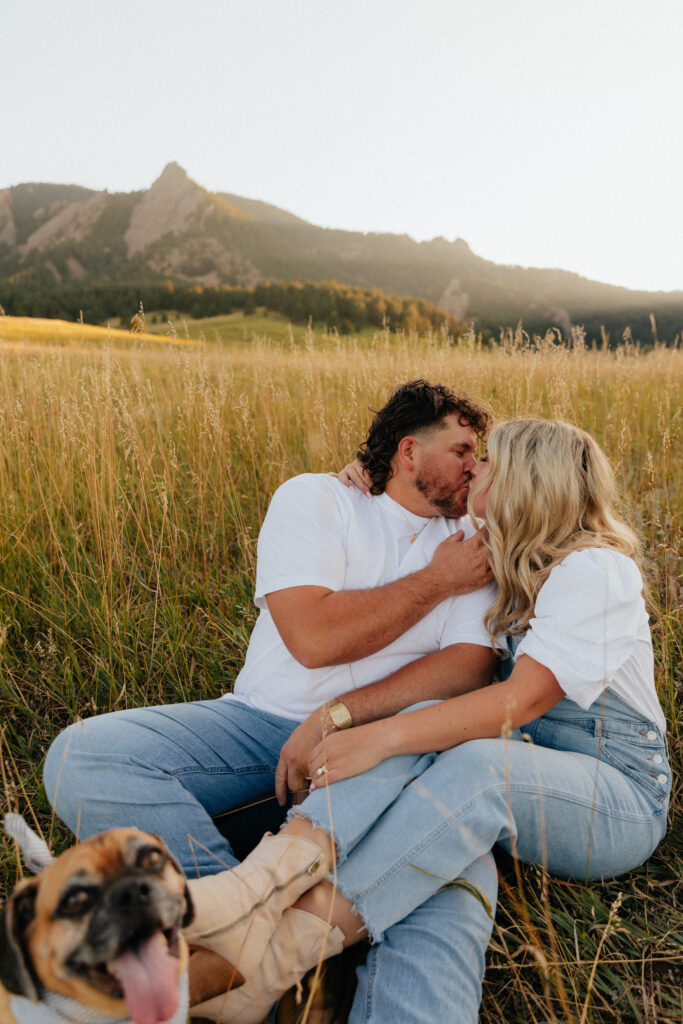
x=66 y=249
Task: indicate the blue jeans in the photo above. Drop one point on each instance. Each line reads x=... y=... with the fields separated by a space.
x=171 y=769
x=168 y=770
x=429 y=967
x=586 y=798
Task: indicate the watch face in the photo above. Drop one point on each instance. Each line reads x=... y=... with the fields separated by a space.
x=340 y=715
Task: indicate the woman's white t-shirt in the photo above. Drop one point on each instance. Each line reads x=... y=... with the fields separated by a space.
x=590 y=628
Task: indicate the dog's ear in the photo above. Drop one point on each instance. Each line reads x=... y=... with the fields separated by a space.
x=16 y=972
x=188 y=916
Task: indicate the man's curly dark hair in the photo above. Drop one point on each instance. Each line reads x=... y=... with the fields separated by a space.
x=415 y=406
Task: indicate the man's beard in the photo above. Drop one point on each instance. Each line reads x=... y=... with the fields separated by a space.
x=440 y=495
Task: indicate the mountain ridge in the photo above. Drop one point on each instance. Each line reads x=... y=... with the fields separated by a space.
x=54 y=235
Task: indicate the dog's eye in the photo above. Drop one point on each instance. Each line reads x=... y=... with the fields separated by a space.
x=151 y=859
x=76 y=902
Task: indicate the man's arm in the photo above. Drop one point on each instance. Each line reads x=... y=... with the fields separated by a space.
x=531 y=690
x=446 y=673
x=322 y=627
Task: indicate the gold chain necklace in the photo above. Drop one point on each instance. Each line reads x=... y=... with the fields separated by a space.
x=416 y=533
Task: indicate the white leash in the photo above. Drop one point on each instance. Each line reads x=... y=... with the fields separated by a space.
x=35 y=850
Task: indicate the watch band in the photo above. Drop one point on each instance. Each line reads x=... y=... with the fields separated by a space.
x=339 y=714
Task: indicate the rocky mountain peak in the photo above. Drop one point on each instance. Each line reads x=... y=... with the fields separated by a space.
x=173 y=175
x=165 y=208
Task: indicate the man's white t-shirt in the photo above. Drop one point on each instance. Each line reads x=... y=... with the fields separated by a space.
x=591 y=629
x=319 y=533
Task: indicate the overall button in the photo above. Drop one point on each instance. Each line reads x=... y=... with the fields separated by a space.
x=657 y=758
x=652 y=735
x=661 y=778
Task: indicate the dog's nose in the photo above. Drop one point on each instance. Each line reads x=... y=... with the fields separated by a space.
x=134 y=893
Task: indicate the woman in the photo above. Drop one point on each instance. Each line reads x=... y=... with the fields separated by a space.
x=563 y=764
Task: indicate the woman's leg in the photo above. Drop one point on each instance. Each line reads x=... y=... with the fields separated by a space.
x=588 y=797
x=167 y=770
x=571 y=811
x=577 y=816
x=566 y=810
x=449 y=935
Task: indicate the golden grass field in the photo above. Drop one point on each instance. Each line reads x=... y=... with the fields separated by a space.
x=135 y=472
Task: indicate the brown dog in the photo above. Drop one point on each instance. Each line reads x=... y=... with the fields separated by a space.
x=99 y=928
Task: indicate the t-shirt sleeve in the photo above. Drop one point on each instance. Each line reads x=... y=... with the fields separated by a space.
x=301 y=542
x=464 y=622
x=587 y=618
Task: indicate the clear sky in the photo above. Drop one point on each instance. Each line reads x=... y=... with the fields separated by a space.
x=545 y=133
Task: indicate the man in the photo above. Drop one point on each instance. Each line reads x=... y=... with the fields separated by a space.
x=351 y=591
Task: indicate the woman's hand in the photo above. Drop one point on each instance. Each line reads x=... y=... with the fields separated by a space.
x=351 y=752
x=354 y=475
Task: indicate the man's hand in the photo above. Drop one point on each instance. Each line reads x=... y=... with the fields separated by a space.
x=464 y=563
x=292 y=768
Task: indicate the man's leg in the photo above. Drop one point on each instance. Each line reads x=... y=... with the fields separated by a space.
x=168 y=770
x=429 y=967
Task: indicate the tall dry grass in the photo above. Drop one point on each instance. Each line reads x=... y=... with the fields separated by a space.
x=133 y=479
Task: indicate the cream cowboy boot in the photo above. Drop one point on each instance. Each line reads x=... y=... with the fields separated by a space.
x=237 y=911
x=300 y=941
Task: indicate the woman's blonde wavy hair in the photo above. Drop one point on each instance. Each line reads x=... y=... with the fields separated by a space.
x=551 y=491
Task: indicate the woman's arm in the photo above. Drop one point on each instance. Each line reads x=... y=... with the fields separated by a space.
x=436 y=676
x=531 y=690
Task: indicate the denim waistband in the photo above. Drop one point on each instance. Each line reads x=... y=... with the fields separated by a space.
x=611 y=731
x=609 y=713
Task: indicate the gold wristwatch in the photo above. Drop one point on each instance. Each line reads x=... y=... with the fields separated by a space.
x=339 y=714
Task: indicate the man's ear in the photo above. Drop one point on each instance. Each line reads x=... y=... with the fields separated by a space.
x=16 y=971
x=407 y=452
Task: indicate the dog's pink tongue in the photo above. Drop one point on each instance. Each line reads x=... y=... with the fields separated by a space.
x=149 y=979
